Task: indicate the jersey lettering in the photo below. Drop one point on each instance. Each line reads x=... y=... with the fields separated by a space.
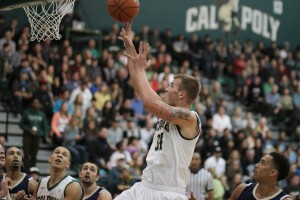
x=158 y=146
x=163 y=124
x=47 y=198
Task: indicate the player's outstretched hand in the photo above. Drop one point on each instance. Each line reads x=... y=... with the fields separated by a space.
x=139 y=59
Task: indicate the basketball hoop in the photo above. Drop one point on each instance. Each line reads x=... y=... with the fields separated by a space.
x=45 y=18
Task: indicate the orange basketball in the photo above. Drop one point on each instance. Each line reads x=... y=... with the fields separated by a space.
x=123 y=10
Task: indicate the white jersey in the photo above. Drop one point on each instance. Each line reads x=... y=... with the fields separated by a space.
x=169 y=157
x=57 y=191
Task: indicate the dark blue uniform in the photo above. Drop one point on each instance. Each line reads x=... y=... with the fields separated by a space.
x=247 y=193
x=21 y=185
x=95 y=195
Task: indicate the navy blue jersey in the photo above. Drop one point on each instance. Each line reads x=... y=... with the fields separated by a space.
x=249 y=192
x=94 y=195
x=22 y=184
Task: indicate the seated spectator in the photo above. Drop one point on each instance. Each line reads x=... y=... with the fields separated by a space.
x=293 y=186
x=59 y=122
x=216 y=162
x=221 y=121
x=22 y=93
x=115 y=133
x=46 y=98
x=101 y=96
x=120 y=152
x=64 y=97
x=73 y=141
x=101 y=150
x=237 y=119
x=248 y=124
x=272 y=101
x=86 y=94
x=262 y=126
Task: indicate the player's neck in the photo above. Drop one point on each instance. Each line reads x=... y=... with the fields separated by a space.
x=89 y=189
x=14 y=175
x=56 y=176
x=266 y=190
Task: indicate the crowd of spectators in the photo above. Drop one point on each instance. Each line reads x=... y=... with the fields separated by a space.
x=91 y=108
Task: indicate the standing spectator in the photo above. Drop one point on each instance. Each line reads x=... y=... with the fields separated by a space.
x=201 y=181
x=34 y=125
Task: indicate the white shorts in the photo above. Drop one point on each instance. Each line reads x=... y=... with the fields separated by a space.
x=144 y=191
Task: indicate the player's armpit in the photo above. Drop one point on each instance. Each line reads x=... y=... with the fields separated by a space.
x=74 y=191
x=104 y=195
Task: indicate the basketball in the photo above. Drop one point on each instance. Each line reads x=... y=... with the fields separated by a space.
x=123 y=10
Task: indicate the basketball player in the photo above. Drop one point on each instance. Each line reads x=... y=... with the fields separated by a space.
x=2 y=160
x=176 y=134
x=272 y=168
x=89 y=175
x=5 y=182
x=201 y=181
x=19 y=181
x=59 y=185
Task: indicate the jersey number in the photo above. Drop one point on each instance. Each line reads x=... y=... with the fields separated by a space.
x=158 y=146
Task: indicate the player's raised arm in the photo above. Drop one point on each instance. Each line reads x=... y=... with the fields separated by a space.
x=178 y=97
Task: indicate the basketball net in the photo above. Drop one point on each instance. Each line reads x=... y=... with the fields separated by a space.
x=45 y=18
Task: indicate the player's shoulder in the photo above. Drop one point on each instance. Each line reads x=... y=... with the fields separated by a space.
x=74 y=190
x=238 y=190
x=105 y=194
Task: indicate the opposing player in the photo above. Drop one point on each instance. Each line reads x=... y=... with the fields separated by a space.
x=19 y=181
x=176 y=134
x=272 y=168
x=89 y=175
x=5 y=182
x=59 y=185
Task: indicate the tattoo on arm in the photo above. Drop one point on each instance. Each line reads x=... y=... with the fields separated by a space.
x=180 y=113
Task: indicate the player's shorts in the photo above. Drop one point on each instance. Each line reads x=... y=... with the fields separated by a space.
x=146 y=191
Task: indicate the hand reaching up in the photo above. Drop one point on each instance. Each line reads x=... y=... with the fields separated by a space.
x=139 y=59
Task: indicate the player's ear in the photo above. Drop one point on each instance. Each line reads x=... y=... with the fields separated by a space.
x=69 y=164
x=182 y=94
x=274 y=172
